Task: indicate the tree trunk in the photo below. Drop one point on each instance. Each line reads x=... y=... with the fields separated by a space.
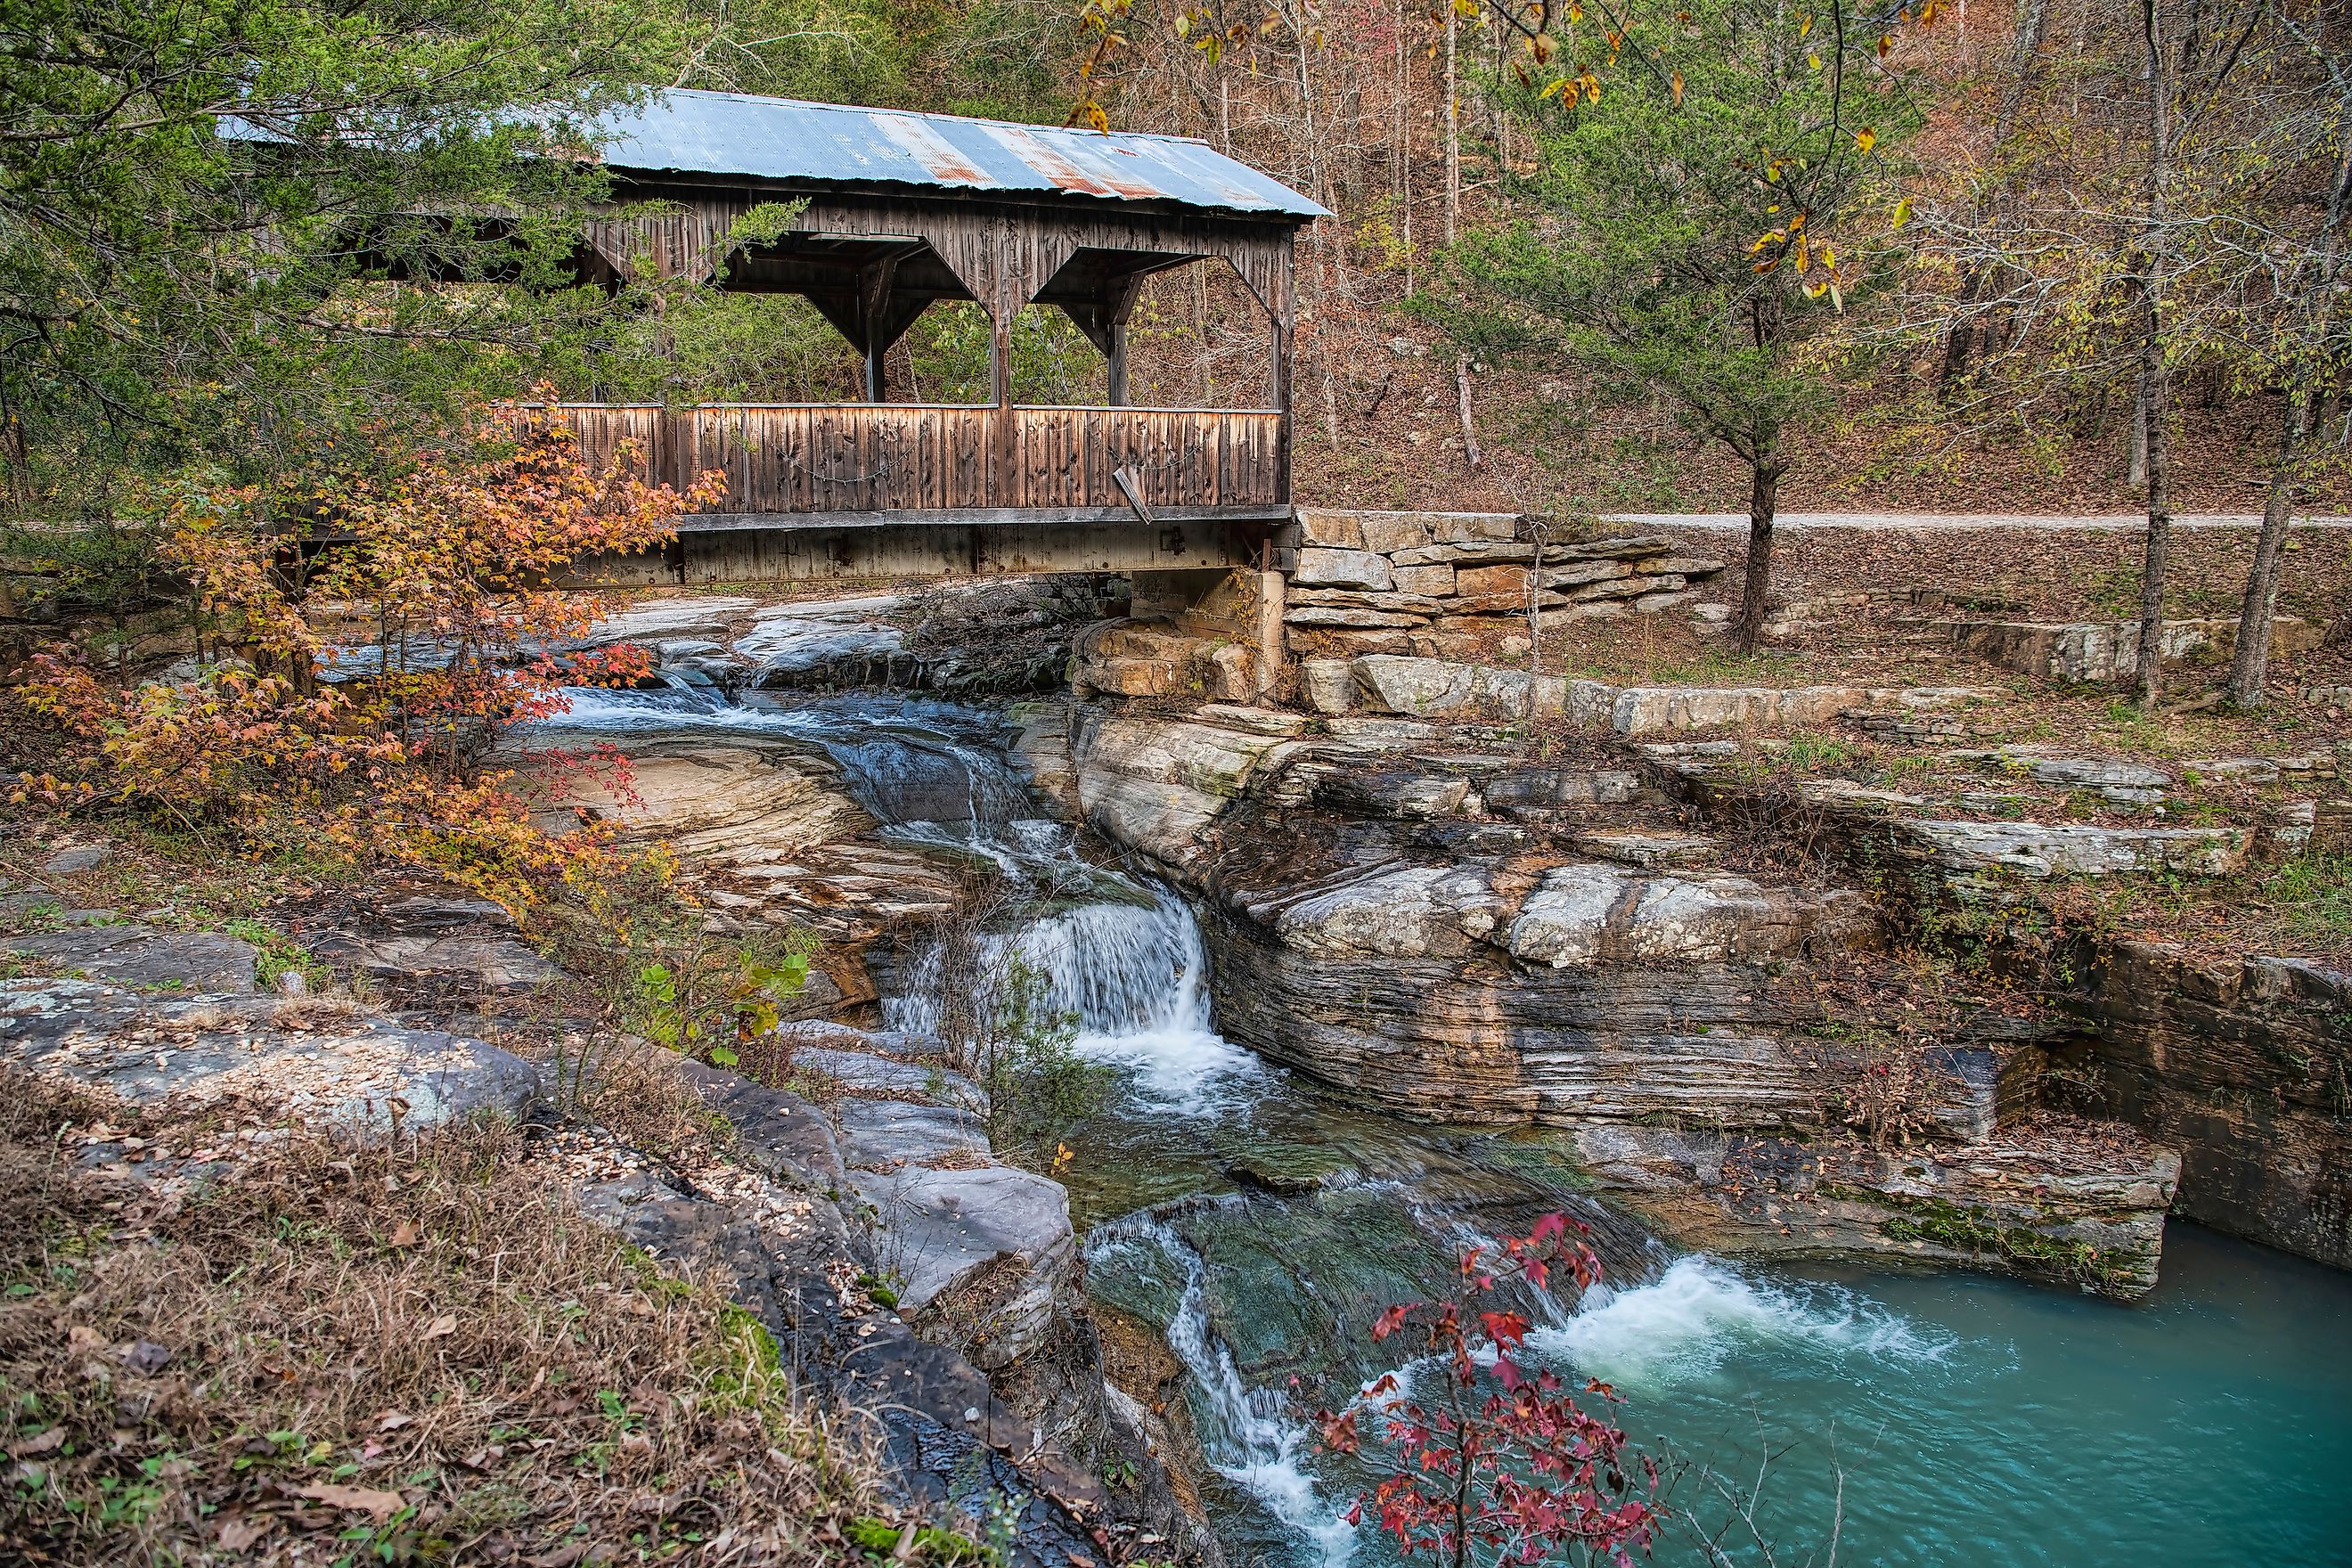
x=2307 y=418
x=2154 y=374
x=2251 y=665
x=1453 y=133
x=2135 y=461
x=1763 y=500
x=1462 y=392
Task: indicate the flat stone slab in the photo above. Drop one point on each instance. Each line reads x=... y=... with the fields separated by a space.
x=76 y=857
x=854 y=1070
x=884 y=1134
x=1593 y=913
x=651 y=618
x=140 y=955
x=1633 y=846
x=1412 y=911
x=292 y=1058
x=496 y=963
x=2052 y=849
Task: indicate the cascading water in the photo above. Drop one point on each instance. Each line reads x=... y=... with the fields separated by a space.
x=1260 y=1226
x=1246 y=1435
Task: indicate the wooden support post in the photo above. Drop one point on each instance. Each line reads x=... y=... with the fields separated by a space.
x=1005 y=488
x=1118 y=303
x=873 y=306
x=1281 y=391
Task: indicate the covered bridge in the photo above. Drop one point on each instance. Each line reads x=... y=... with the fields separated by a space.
x=904 y=209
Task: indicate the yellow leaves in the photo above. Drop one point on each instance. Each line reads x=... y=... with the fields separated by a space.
x=1587 y=86
x=1865 y=139
x=1805 y=24
x=1677 y=86
x=1900 y=213
x=1575 y=12
x=1183 y=24
x=1769 y=237
x=1814 y=61
x=1886 y=45
x=1467 y=9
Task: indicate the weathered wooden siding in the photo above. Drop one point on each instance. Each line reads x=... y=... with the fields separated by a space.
x=786 y=458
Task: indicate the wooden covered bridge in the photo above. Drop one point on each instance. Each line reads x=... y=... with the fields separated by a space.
x=902 y=210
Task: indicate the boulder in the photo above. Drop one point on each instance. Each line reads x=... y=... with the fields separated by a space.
x=1156 y=785
x=1396 y=685
x=942 y=1232
x=1327 y=685
x=1415 y=912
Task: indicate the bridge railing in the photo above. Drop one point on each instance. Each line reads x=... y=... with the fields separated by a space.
x=837 y=462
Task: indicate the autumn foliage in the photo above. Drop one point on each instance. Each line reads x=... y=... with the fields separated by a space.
x=364 y=694
x=1497 y=1464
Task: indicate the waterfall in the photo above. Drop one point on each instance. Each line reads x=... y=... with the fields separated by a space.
x=1246 y=1435
x=1135 y=975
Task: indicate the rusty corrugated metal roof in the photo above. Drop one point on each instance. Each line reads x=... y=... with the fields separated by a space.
x=741 y=135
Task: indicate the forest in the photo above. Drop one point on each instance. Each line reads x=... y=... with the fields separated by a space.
x=2019 y=237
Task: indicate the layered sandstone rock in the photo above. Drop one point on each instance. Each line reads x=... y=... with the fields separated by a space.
x=1372 y=924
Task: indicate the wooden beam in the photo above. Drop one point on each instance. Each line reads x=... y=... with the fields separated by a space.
x=873 y=306
x=1005 y=484
x=972 y=517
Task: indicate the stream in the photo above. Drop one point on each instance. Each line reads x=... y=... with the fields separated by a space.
x=1260 y=1225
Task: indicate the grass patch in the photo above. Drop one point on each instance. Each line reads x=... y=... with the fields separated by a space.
x=347 y=1356
x=2313 y=894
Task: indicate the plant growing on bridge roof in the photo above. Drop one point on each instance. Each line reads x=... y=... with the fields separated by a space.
x=1496 y=1464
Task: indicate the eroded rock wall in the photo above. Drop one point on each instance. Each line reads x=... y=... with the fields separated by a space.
x=2243 y=1065
x=1431 y=918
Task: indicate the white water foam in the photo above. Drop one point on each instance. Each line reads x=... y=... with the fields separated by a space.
x=1138 y=980
x=1685 y=1323
x=1246 y=1436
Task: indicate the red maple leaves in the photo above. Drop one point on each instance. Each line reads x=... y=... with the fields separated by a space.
x=1499 y=1464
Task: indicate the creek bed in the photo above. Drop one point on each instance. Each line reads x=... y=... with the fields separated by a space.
x=1925 y=1419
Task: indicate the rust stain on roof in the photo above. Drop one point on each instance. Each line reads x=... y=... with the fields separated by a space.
x=937 y=154
x=1065 y=172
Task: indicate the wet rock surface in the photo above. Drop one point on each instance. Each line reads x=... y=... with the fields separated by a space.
x=1580 y=964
